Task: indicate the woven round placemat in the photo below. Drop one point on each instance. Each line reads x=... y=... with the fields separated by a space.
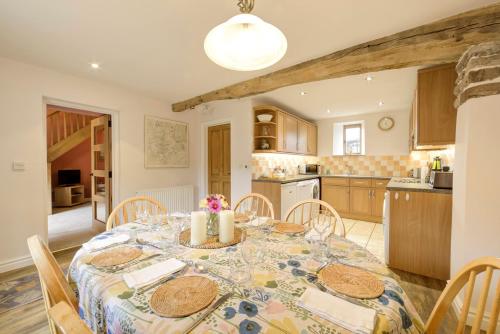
x=288 y=228
x=183 y=296
x=351 y=281
x=241 y=217
x=212 y=241
x=116 y=256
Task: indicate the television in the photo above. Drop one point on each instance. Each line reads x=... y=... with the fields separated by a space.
x=68 y=176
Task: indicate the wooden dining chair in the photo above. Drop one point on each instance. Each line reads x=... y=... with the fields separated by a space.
x=305 y=212
x=127 y=210
x=67 y=320
x=55 y=287
x=467 y=276
x=255 y=202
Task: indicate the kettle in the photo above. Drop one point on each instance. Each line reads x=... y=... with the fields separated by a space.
x=436 y=164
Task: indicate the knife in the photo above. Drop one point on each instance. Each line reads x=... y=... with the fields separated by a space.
x=212 y=308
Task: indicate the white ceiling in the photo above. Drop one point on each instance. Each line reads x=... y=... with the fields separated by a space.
x=347 y=96
x=156 y=46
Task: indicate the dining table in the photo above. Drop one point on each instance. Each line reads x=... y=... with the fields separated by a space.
x=268 y=304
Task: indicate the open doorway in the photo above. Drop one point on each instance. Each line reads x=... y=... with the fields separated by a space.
x=79 y=174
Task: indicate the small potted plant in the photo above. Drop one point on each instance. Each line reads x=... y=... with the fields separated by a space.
x=214 y=204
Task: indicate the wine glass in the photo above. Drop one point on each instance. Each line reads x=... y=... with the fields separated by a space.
x=265 y=225
x=322 y=226
x=252 y=253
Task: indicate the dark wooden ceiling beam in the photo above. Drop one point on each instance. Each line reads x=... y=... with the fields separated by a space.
x=439 y=42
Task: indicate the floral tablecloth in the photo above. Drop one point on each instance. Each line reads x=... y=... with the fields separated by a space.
x=270 y=306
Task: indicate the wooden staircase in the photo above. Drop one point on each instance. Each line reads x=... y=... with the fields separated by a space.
x=65 y=131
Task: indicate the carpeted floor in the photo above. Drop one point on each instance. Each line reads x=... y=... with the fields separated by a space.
x=70 y=227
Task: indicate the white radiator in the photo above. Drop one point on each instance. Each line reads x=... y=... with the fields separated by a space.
x=174 y=199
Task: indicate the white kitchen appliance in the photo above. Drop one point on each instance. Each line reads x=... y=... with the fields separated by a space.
x=288 y=197
x=294 y=192
x=386 y=215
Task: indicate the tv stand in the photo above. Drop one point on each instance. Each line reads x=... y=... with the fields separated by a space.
x=69 y=195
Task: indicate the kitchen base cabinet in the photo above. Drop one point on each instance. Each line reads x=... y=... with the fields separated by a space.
x=355 y=197
x=336 y=195
x=360 y=201
x=420 y=233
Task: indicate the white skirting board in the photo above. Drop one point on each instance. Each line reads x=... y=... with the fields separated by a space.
x=457 y=307
x=17 y=263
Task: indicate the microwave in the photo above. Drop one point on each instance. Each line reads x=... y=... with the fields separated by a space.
x=308 y=169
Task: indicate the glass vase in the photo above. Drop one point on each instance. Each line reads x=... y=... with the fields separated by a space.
x=213 y=224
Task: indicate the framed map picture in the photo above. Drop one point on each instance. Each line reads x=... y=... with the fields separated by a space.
x=165 y=143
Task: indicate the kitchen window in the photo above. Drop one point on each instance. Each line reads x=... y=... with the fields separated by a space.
x=353 y=139
x=349 y=138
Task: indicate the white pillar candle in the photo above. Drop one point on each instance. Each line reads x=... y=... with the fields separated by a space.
x=226 y=226
x=198 y=227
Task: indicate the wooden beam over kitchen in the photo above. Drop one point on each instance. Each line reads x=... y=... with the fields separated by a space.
x=443 y=41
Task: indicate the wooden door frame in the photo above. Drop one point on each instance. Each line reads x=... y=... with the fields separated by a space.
x=115 y=146
x=204 y=154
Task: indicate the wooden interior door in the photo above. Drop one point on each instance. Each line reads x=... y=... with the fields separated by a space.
x=219 y=160
x=101 y=170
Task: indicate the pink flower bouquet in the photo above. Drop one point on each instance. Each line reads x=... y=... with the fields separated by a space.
x=214 y=204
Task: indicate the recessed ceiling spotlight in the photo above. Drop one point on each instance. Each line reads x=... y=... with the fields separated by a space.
x=380 y=103
x=369 y=78
x=328 y=111
x=303 y=93
x=95 y=66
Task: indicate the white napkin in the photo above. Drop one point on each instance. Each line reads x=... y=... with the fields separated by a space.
x=95 y=245
x=355 y=318
x=145 y=276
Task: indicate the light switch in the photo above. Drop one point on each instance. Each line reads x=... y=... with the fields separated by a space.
x=18 y=166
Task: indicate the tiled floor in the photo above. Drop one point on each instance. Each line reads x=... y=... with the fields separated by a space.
x=366 y=234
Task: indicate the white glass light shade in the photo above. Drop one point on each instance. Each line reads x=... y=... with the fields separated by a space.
x=245 y=43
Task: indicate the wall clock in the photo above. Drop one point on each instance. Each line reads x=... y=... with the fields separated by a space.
x=386 y=123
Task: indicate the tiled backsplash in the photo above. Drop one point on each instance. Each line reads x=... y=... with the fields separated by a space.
x=385 y=165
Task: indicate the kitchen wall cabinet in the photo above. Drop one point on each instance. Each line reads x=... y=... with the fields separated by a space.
x=285 y=133
x=312 y=139
x=356 y=198
x=433 y=115
x=302 y=137
x=420 y=233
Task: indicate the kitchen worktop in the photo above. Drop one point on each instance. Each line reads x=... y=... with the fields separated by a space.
x=398 y=183
x=354 y=176
x=297 y=178
x=287 y=179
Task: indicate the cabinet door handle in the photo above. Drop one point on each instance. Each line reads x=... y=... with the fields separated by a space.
x=407 y=196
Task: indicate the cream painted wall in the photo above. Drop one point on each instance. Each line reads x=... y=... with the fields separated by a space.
x=239 y=114
x=476 y=209
x=23 y=194
x=377 y=142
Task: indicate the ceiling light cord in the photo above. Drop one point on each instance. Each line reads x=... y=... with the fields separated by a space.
x=246 y=6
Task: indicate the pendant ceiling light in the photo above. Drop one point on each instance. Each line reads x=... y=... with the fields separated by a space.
x=245 y=42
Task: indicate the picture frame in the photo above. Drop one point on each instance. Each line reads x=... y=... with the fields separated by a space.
x=166 y=143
